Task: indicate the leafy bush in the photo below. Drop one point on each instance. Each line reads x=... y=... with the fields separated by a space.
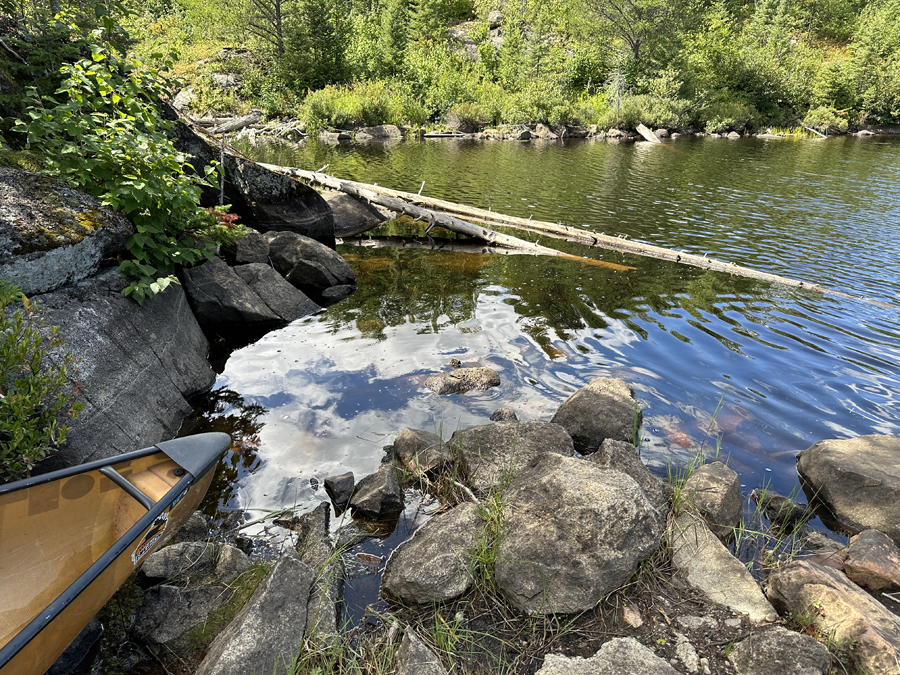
x=35 y=395
x=466 y=117
x=826 y=119
x=362 y=104
x=108 y=138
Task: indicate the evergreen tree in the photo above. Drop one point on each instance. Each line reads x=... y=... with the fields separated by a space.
x=426 y=20
x=315 y=44
x=394 y=35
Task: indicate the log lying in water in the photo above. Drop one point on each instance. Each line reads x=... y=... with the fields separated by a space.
x=439 y=213
x=647 y=134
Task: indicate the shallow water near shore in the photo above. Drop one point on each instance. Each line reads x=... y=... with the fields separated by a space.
x=783 y=367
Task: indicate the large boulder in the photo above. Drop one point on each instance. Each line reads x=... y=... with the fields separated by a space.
x=282 y=298
x=266 y=636
x=842 y=610
x=624 y=457
x=700 y=560
x=52 y=235
x=491 y=453
x=434 y=564
x=168 y=612
x=574 y=532
x=352 y=216
x=267 y=200
x=605 y=408
x=306 y=263
x=222 y=299
x=857 y=479
x=137 y=366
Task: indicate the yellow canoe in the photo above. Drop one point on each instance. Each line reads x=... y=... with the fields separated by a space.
x=70 y=538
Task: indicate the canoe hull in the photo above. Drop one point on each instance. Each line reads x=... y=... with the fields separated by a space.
x=67 y=545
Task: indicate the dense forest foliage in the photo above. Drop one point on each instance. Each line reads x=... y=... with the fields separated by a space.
x=711 y=64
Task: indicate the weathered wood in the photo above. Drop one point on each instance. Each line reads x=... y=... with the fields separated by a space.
x=405 y=202
x=236 y=124
x=647 y=134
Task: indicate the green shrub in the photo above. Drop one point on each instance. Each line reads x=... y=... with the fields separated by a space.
x=826 y=119
x=108 y=138
x=35 y=395
x=466 y=117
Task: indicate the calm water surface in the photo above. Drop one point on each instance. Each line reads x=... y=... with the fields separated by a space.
x=790 y=367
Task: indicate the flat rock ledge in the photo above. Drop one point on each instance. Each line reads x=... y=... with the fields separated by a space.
x=619 y=655
x=857 y=479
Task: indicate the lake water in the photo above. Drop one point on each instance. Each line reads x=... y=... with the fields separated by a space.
x=785 y=367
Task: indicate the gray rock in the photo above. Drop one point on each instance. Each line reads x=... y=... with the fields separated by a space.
x=733 y=135
x=194 y=529
x=268 y=200
x=221 y=298
x=495 y=18
x=378 y=495
x=185 y=558
x=282 y=298
x=78 y=650
x=686 y=653
x=714 y=491
x=493 y=452
x=380 y=132
x=334 y=136
x=842 y=610
x=421 y=452
x=339 y=490
x=434 y=564
x=52 y=235
x=137 y=365
x=873 y=561
x=267 y=634
x=306 y=263
x=701 y=561
x=168 y=612
x=252 y=248
x=315 y=549
x=335 y=293
x=616 y=657
x=858 y=479
x=574 y=533
x=504 y=415
x=461 y=380
x=226 y=80
x=605 y=408
x=624 y=457
x=781 y=651
x=352 y=216
x=183 y=99
x=231 y=563
x=414 y=658
x=544 y=132
x=783 y=512
x=661 y=133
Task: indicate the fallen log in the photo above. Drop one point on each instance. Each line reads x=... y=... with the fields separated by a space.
x=439 y=214
x=647 y=134
x=237 y=124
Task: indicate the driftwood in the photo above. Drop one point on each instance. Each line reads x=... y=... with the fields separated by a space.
x=236 y=124
x=439 y=214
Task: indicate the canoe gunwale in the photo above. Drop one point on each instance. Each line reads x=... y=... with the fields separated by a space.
x=87 y=577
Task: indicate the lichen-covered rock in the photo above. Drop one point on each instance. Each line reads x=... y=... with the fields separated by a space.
x=434 y=564
x=489 y=453
x=268 y=200
x=461 y=380
x=574 y=532
x=858 y=479
x=52 y=235
x=605 y=408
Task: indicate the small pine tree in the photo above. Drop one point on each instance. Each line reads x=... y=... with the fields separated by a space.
x=426 y=21
x=315 y=44
x=393 y=35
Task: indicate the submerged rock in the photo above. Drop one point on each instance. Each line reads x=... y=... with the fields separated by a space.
x=574 y=533
x=461 y=380
x=605 y=408
x=858 y=479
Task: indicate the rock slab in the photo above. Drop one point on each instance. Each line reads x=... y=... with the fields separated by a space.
x=873 y=561
x=701 y=561
x=574 y=533
x=782 y=651
x=168 y=612
x=414 y=658
x=461 y=380
x=858 y=480
x=618 y=656
x=605 y=408
x=266 y=635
